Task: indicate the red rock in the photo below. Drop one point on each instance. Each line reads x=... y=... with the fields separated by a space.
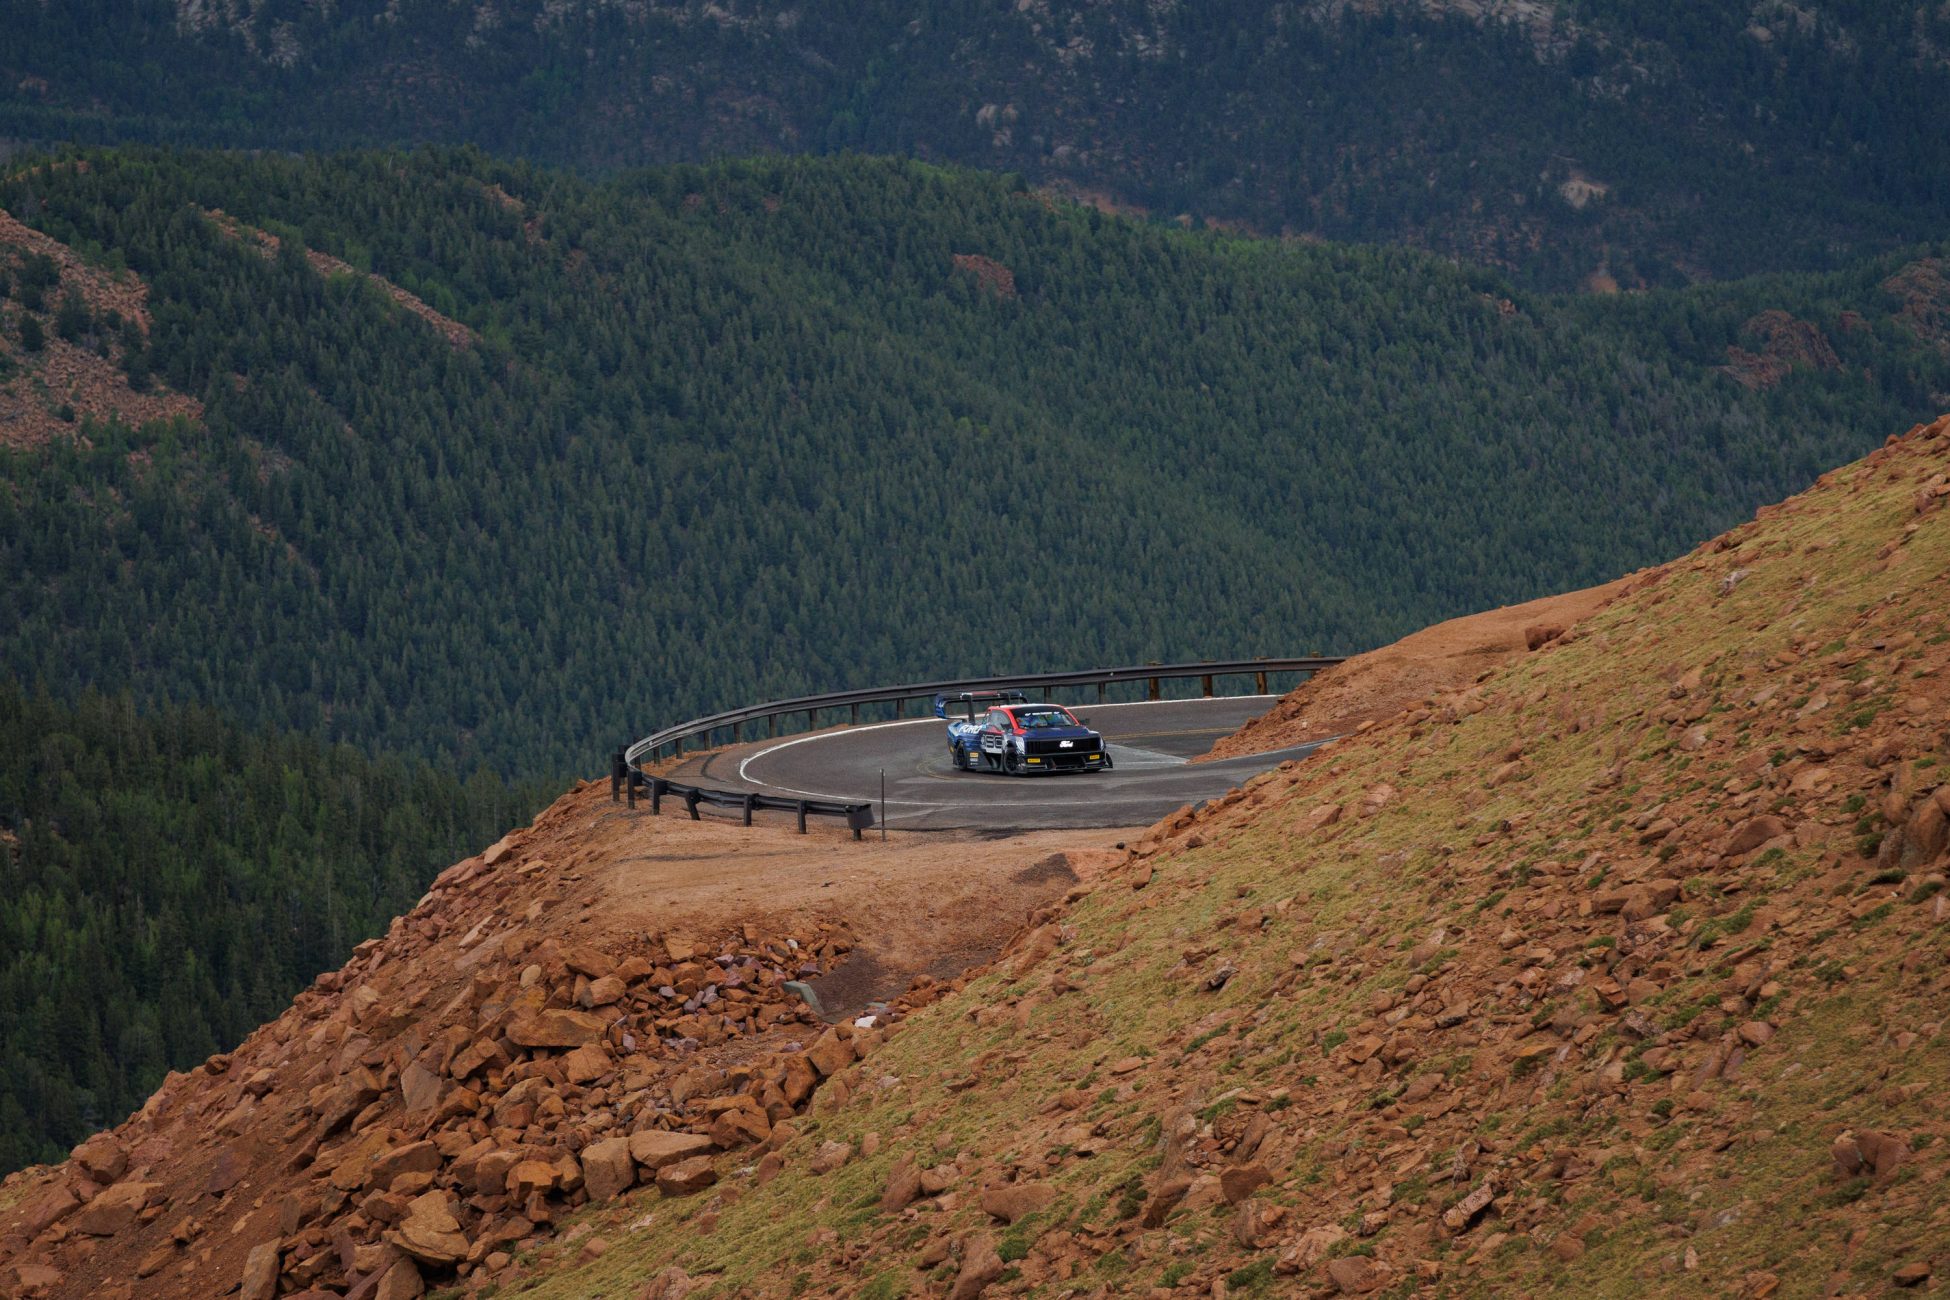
x=102 y=1158
x=555 y=1029
x=400 y=1282
x=1927 y=833
x=1164 y=1199
x=830 y=1156
x=1459 y=1216
x=602 y=992
x=686 y=1176
x=830 y=1054
x=902 y=1188
x=800 y=1078
x=1915 y=1274
x=414 y=1157
x=430 y=1233
x=115 y=1209
x=655 y=1148
x=1237 y=1183
x=740 y=1126
x=1014 y=1201
x=48 y=1209
x=156 y=1260
x=1753 y=833
x=419 y=1088
x=1353 y=1275
x=1756 y=1032
x=584 y=960
x=980 y=1267
x=1538 y=635
x=607 y=1169
x=1881 y=1152
x=532 y=1178
x=261 y=1267
x=1421 y=1088
x=587 y=1064
x=33 y=1281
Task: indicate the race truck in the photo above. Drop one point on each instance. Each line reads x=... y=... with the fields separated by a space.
x=1003 y=731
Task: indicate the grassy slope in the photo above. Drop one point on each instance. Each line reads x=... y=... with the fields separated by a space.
x=1469 y=881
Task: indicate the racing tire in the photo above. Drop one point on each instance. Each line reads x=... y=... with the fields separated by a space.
x=1012 y=763
x=958 y=757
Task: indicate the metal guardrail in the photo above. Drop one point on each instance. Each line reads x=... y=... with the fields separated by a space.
x=627 y=776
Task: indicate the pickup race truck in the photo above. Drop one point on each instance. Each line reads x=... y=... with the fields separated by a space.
x=1002 y=731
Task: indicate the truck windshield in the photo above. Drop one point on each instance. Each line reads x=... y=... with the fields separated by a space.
x=1035 y=718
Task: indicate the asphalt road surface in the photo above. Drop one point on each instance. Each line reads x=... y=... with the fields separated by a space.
x=1150 y=744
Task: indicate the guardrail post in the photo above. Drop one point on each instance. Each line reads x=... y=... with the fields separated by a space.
x=771 y=725
x=859 y=817
x=657 y=788
x=802 y=816
x=812 y=719
x=751 y=802
x=1205 y=683
x=1152 y=687
x=690 y=804
x=856 y=716
x=1101 y=688
x=616 y=770
x=629 y=786
x=1259 y=681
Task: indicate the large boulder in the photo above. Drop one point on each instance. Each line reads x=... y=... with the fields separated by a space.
x=903 y=1186
x=420 y=1088
x=607 y=1169
x=260 y=1281
x=1753 y=833
x=655 y=1148
x=686 y=1176
x=413 y=1158
x=1015 y=1200
x=116 y=1208
x=429 y=1232
x=102 y=1158
x=830 y=1054
x=981 y=1265
x=533 y=1178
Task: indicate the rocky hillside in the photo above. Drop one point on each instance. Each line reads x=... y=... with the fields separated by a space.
x=593 y=1004
x=1618 y=971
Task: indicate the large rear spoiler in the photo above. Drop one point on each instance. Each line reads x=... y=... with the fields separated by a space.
x=972 y=700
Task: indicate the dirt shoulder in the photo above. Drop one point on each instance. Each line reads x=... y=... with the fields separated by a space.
x=1381 y=683
x=932 y=903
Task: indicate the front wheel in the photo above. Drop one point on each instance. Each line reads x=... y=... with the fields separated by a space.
x=958 y=757
x=1012 y=762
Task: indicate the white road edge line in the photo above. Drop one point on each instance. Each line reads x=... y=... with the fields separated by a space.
x=819 y=735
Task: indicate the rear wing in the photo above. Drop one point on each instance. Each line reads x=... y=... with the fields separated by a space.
x=968 y=703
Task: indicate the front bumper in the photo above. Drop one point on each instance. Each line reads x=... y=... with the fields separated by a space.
x=1085 y=761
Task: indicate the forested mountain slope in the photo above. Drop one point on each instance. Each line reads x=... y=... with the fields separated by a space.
x=1593 y=140
x=172 y=880
x=697 y=436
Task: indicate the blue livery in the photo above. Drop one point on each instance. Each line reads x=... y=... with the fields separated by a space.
x=1003 y=731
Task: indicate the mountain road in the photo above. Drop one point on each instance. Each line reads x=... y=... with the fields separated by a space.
x=1151 y=745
